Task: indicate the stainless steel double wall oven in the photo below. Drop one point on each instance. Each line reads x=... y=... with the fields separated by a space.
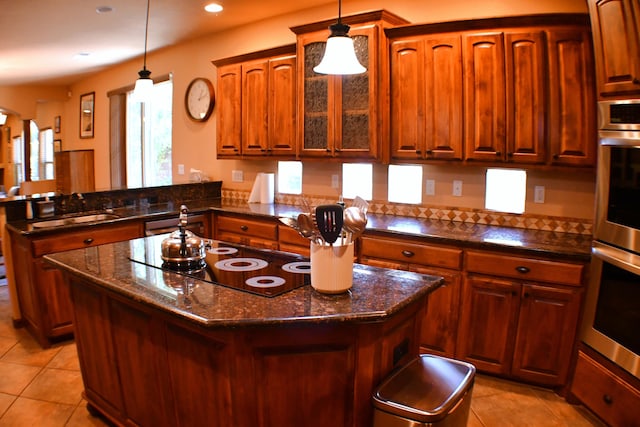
x=612 y=311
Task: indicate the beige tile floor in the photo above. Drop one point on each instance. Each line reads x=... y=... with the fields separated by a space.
x=43 y=388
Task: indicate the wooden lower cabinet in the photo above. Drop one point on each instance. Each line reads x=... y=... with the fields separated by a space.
x=289 y=240
x=440 y=324
x=607 y=390
x=144 y=367
x=245 y=230
x=520 y=328
x=44 y=298
x=509 y=315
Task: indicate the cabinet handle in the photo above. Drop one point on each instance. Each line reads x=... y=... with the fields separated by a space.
x=418 y=151
x=408 y=254
x=636 y=81
x=522 y=269
x=510 y=154
x=498 y=153
x=607 y=399
x=556 y=157
x=526 y=294
x=244 y=228
x=88 y=241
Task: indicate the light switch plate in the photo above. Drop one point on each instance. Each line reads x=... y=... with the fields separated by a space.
x=180 y=169
x=538 y=194
x=431 y=187
x=457 y=188
x=335 y=181
x=237 y=176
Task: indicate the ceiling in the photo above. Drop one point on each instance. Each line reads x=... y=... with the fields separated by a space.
x=43 y=40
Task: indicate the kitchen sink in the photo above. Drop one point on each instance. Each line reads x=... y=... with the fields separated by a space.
x=83 y=219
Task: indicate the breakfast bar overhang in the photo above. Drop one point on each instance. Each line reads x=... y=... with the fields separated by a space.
x=158 y=347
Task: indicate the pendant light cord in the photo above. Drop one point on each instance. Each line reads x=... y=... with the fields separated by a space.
x=339 y=11
x=146 y=35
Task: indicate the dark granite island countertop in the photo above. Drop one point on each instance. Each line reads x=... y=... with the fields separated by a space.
x=228 y=357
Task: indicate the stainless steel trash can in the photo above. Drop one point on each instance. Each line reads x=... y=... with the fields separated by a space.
x=427 y=391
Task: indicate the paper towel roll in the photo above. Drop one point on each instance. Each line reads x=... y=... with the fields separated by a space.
x=267 y=188
x=263 y=189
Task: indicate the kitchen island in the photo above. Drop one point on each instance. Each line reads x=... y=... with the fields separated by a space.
x=158 y=347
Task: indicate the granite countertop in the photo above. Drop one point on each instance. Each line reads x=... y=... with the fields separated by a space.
x=376 y=293
x=487 y=237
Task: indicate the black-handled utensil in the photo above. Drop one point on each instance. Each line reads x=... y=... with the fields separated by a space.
x=329 y=219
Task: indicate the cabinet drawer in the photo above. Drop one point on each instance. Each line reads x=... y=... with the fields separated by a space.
x=614 y=400
x=290 y=236
x=247 y=227
x=411 y=253
x=524 y=268
x=84 y=237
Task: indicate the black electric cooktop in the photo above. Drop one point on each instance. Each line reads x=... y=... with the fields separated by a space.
x=261 y=272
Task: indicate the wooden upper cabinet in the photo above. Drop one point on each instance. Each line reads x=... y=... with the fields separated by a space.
x=229 y=110
x=572 y=103
x=525 y=66
x=484 y=96
x=344 y=116
x=268 y=107
x=426 y=97
x=282 y=105
x=616 y=34
x=257 y=104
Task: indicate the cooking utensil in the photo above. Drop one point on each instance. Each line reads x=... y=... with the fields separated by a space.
x=329 y=219
x=355 y=222
x=361 y=203
x=290 y=222
x=306 y=227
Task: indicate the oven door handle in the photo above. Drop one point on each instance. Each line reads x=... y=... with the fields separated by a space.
x=625 y=260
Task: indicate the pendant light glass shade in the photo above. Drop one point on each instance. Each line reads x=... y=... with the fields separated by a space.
x=3 y=118
x=339 y=53
x=144 y=84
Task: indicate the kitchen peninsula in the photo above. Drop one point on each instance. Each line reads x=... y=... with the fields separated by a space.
x=162 y=348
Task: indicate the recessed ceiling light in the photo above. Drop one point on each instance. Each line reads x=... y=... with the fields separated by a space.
x=104 y=9
x=213 y=7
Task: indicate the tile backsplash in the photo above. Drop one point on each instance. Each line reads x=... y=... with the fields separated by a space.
x=466 y=215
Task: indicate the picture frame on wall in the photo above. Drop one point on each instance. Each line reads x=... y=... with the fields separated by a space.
x=87 y=105
x=57 y=145
x=56 y=124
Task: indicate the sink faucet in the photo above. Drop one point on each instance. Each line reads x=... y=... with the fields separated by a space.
x=80 y=197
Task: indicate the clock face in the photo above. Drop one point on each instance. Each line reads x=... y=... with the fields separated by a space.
x=199 y=99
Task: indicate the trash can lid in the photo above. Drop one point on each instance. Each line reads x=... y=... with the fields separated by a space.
x=425 y=389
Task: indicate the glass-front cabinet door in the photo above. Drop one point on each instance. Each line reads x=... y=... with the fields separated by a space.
x=343 y=116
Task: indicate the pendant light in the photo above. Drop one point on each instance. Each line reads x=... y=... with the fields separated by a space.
x=3 y=118
x=144 y=84
x=339 y=54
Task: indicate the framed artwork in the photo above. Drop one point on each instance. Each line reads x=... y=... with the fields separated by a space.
x=87 y=104
x=56 y=124
x=57 y=145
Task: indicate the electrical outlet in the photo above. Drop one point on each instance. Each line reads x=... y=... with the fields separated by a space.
x=538 y=194
x=431 y=187
x=237 y=176
x=180 y=169
x=335 y=181
x=457 y=188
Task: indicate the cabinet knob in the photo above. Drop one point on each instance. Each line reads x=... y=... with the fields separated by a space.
x=522 y=269
x=244 y=227
x=607 y=399
x=88 y=241
x=408 y=254
x=429 y=152
x=498 y=153
x=556 y=157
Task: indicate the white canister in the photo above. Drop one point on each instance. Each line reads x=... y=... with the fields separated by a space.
x=331 y=267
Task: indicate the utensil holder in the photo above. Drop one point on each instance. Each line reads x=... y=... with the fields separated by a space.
x=331 y=267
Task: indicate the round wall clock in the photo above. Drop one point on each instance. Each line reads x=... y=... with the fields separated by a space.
x=199 y=99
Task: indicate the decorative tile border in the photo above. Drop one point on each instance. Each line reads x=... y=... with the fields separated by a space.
x=470 y=216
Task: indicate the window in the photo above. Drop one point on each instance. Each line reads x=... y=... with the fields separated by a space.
x=290 y=177
x=357 y=180
x=18 y=160
x=405 y=184
x=45 y=163
x=34 y=151
x=148 y=144
x=506 y=190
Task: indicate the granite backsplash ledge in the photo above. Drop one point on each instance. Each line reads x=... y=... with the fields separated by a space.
x=465 y=215
x=113 y=199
